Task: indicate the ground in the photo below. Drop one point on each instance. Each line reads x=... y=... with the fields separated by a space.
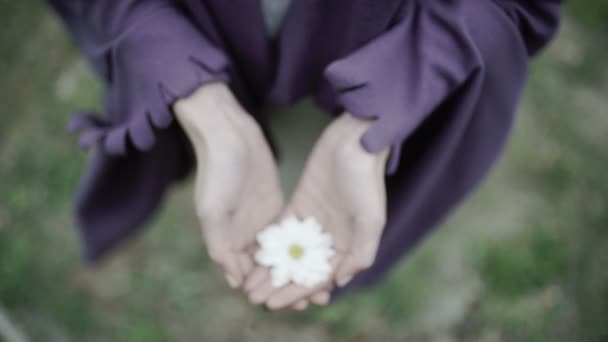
x=524 y=259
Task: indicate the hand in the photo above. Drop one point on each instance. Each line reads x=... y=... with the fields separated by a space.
x=237 y=190
x=343 y=187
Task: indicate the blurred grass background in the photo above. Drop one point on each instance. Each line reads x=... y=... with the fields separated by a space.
x=525 y=259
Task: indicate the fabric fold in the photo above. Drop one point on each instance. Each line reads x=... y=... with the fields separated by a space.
x=440 y=78
x=149 y=70
x=425 y=58
x=140 y=126
x=148 y=54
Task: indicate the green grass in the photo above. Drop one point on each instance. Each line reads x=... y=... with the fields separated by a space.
x=521 y=267
x=546 y=283
x=590 y=13
x=17 y=270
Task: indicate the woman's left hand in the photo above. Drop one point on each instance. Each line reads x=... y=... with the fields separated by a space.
x=343 y=187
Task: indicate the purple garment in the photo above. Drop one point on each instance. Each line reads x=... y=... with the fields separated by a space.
x=441 y=78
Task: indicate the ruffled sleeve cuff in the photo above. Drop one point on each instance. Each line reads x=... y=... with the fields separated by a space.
x=156 y=60
x=402 y=76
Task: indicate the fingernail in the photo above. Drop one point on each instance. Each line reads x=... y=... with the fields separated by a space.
x=232 y=281
x=256 y=298
x=273 y=303
x=345 y=280
x=272 y=306
x=324 y=298
x=301 y=306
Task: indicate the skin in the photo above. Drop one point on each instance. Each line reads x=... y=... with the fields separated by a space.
x=342 y=186
x=235 y=169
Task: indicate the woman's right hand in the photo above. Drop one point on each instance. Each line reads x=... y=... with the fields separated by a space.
x=237 y=191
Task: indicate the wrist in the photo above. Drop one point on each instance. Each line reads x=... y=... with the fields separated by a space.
x=197 y=108
x=203 y=114
x=350 y=130
x=207 y=117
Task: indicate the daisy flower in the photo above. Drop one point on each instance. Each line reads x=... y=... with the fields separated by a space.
x=296 y=251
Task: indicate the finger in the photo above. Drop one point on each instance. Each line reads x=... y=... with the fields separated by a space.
x=219 y=249
x=300 y=305
x=290 y=295
x=231 y=280
x=228 y=261
x=262 y=292
x=320 y=298
x=255 y=278
x=246 y=265
x=232 y=271
x=353 y=263
x=364 y=247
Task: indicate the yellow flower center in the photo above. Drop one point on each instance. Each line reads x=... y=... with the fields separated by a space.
x=296 y=251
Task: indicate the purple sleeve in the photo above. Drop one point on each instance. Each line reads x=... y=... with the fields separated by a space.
x=433 y=50
x=149 y=55
x=443 y=85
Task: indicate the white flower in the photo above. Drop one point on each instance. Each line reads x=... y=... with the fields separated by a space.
x=296 y=251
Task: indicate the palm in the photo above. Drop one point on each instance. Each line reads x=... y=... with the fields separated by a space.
x=343 y=187
x=237 y=189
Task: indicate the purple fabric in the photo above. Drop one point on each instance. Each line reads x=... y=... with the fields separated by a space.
x=441 y=78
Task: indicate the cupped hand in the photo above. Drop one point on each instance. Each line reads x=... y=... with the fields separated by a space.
x=343 y=187
x=237 y=190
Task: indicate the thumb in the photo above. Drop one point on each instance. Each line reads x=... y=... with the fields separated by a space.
x=221 y=252
x=228 y=261
x=362 y=252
